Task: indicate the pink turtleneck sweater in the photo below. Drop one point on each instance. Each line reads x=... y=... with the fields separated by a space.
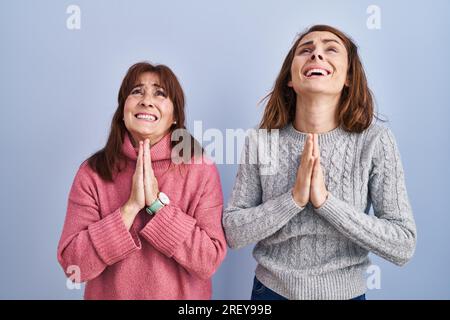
x=170 y=256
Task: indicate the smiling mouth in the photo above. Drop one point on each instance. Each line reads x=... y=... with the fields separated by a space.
x=146 y=117
x=316 y=73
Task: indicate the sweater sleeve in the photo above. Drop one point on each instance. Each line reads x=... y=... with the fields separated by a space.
x=88 y=241
x=391 y=232
x=196 y=242
x=247 y=219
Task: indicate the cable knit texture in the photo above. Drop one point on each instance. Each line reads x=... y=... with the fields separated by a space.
x=308 y=253
x=169 y=256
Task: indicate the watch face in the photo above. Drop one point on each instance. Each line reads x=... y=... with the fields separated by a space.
x=163 y=198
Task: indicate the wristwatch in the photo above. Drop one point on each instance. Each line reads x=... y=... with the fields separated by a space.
x=161 y=201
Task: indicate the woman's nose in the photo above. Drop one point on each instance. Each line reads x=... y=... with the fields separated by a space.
x=313 y=57
x=146 y=101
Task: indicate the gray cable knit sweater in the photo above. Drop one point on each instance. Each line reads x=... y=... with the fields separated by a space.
x=307 y=253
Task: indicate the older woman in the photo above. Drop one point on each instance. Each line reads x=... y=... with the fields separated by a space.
x=310 y=219
x=140 y=225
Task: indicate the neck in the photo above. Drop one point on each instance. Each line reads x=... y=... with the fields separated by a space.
x=316 y=114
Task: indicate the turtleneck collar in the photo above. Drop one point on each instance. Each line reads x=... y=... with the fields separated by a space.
x=160 y=152
x=324 y=138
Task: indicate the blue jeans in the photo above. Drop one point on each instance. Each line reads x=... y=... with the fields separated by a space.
x=261 y=292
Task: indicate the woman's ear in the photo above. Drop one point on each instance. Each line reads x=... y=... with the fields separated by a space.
x=347 y=81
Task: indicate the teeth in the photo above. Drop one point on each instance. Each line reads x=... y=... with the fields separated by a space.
x=321 y=71
x=146 y=117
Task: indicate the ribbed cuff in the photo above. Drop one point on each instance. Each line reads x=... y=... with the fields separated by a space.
x=284 y=206
x=282 y=209
x=111 y=238
x=295 y=203
x=169 y=228
x=332 y=210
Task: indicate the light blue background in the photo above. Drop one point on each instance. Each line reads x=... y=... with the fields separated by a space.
x=58 y=91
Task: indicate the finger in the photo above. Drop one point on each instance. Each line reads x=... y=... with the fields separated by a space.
x=314 y=184
x=155 y=185
x=307 y=159
x=315 y=169
x=139 y=164
x=308 y=172
x=147 y=167
x=305 y=169
x=316 y=150
x=148 y=159
x=310 y=144
x=310 y=152
x=150 y=154
x=320 y=173
x=311 y=166
x=307 y=149
x=305 y=174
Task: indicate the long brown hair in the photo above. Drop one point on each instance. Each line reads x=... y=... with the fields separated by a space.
x=355 y=108
x=110 y=159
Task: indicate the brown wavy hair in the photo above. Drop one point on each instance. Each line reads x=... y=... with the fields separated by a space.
x=355 y=111
x=110 y=159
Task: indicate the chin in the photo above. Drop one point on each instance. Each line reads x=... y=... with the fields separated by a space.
x=144 y=132
x=315 y=89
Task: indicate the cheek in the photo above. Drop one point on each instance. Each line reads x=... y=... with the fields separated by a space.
x=296 y=75
x=343 y=66
x=344 y=73
x=128 y=112
x=168 y=112
x=341 y=69
x=296 y=66
x=128 y=107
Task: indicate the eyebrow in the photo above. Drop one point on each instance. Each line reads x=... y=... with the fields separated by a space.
x=143 y=85
x=323 y=41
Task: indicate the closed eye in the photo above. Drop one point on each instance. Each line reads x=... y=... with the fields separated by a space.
x=332 y=49
x=160 y=93
x=136 y=91
x=305 y=50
